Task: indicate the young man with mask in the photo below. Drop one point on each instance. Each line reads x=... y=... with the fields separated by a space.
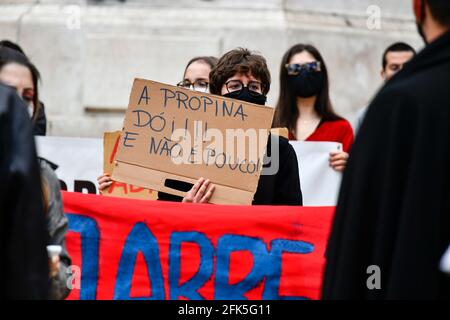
x=391 y=226
x=394 y=58
x=243 y=75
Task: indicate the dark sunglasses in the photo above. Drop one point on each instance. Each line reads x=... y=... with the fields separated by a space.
x=294 y=69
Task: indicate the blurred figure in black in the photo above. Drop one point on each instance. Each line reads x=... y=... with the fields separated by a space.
x=24 y=266
x=392 y=222
x=18 y=72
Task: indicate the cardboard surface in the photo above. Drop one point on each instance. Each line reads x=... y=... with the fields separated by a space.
x=149 y=153
x=120 y=189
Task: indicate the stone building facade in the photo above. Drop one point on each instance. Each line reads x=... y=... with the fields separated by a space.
x=89 y=51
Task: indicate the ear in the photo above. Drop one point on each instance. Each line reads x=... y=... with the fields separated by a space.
x=383 y=74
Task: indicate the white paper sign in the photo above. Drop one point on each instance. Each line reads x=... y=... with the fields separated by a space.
x=319 y=182
x=79 y=160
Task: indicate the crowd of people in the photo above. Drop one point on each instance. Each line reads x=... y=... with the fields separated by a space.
x=388 y=183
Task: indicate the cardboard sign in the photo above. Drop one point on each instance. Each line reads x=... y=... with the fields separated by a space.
x=134 y=249
x=172 y=133
x=120 y=189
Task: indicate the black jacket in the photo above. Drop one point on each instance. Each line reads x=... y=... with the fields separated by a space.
x=23 y=235
x=281 y=188
x=394 y=204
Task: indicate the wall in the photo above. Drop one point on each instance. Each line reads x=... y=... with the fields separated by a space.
x=89 y=51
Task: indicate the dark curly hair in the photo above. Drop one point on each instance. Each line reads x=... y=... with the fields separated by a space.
x=239 y=61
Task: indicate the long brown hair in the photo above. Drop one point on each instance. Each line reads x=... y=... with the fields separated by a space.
x=286 y=112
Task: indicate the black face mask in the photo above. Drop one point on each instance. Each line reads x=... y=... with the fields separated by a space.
x=306 y=84
x=245 y=95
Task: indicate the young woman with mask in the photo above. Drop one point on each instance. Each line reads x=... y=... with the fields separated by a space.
x=304 y=105
x=18 y=72
x=243 y=75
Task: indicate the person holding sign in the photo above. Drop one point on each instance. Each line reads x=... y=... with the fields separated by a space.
x=392 y=222
x=304 y=105
x=243 y=75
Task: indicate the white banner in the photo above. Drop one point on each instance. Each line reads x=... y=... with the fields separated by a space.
x=79 y=161
x=319 y=182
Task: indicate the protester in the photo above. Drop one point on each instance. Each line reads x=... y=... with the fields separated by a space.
x=243 y=75
x=23 y=258
x=195 y=77
x=394 y=58
x=40 y=119
x=230 y=77
x=19 y=73
x=304 y=105
x=393 y=211
x=196 y=74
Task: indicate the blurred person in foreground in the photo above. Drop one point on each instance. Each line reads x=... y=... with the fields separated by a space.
x=23 y=258
x=392 y=222
x=394 y=58
x=17 y=72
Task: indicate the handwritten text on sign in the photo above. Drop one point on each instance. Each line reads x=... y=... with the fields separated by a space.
x=194 y=134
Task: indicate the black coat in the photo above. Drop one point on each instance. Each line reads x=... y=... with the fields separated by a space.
x=23 y=235
x=394 y=204
x=40 y=125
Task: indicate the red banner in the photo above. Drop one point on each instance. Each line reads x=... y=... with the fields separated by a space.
x=127 y=249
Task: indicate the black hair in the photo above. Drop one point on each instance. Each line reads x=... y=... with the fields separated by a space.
x=7 y=56
x=440 y=10
x=210 y=60
x=396 y=47
x=11 y=45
